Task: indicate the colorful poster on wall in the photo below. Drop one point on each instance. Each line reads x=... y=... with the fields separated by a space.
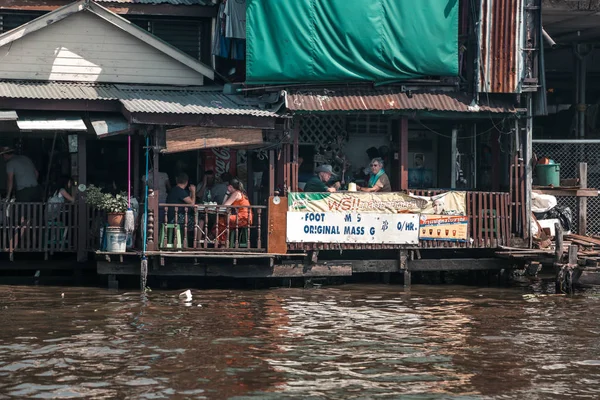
x=450 y=203
x=336 y=227
x=443 y=227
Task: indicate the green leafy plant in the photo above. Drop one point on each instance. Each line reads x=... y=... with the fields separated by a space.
x=106 y=201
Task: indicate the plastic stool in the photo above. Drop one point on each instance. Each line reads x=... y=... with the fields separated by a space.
x=242 y=237
x=172 y=230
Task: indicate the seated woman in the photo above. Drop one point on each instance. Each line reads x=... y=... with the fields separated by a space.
x=61 y=193
x=378 y=179
x=240 y=217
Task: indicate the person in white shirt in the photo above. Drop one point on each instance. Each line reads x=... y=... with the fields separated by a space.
x=164 y=185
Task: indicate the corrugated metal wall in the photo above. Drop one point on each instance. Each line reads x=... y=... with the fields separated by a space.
x=501 y=46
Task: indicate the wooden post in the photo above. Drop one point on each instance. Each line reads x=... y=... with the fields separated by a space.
x=295 y=151
x=582 y=201
x=250 y=172
x=528 y=147
x=573 y=250
x=403 y=154
x=403 y=266
x=136 y=166
x=454 y=153
x=82 y=223
x=558 y=251
x=407 y=278
x=156 y=190
x=495 y=161
x=271 y=173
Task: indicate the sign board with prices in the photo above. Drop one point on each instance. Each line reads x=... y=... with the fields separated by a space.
x=335 y=227
x=443 y=227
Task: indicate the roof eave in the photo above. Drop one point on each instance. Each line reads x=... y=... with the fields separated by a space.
x=115 y=20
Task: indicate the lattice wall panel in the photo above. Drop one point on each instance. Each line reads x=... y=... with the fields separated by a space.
x=367 y=124
x=321 y=131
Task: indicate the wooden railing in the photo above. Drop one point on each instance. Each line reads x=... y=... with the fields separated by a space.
x=95 y=223
x=199 y=227
x=25 y=227
x=489 y=216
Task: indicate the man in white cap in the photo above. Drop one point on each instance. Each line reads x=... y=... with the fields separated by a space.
x=21 y=177
x=318 y=182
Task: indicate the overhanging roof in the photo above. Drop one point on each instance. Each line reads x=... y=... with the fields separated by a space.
x=147 y=99
x=571 y=21
x=155 y=2
x=390 y=100
x=112 y=18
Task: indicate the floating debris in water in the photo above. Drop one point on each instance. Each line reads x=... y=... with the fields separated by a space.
x=187 y=294
x=535 y=296
x=62 y=295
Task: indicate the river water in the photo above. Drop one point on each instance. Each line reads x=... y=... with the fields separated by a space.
x=343 y=342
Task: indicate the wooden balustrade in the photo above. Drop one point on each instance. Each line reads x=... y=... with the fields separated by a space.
x=489 y=219
x=204 y=227
x=26 y=227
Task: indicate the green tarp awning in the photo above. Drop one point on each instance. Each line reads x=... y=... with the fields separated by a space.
x=292 y=41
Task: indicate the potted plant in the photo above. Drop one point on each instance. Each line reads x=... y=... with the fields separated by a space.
x=114 y=205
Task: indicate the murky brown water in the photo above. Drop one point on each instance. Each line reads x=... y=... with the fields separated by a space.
x=436 y=342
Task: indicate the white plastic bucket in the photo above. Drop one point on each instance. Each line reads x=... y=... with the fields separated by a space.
x=116 y=240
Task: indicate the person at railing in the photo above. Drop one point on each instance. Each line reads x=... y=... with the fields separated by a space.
x=204 y=194
x=219 y=190
x=241 y=216
x=163 y=186
x=181 y=194
x=22 y=176
x=378 y=179
x=318 y=183
x=61 y=193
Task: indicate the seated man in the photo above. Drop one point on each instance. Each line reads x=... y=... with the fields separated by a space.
x=181 y=194
x=317 y=183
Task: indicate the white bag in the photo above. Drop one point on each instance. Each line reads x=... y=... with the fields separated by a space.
x=541 y=203
x=54 y=206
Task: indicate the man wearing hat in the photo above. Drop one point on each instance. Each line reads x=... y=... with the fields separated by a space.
x=318 y=182
x=22 y=177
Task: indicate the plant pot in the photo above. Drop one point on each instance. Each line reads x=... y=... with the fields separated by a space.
x=115 y=220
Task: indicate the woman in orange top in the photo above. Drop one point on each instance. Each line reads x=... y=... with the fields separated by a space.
x=240 y=217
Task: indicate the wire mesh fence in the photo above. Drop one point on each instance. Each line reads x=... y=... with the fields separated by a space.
x=569 y=155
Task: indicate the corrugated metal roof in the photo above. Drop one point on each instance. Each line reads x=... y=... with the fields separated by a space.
x=388 y=100
x=138 y=98
x=188 y=102
x=154 y=2
x=58 y=91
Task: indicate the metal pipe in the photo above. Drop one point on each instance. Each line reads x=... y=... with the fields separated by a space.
x=567 y=141
x=581 y=106
x=454 y=157
x=577 y=61
x=548 y=39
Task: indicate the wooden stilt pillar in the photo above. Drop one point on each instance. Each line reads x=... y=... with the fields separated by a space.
x=295 y=150
x=82 y=217
x=136 y=166
x=154 y=203
x=403 y=154
x=271 y=172
x=582 y=201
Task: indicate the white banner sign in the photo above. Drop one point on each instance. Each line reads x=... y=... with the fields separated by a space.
x=335 y=227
